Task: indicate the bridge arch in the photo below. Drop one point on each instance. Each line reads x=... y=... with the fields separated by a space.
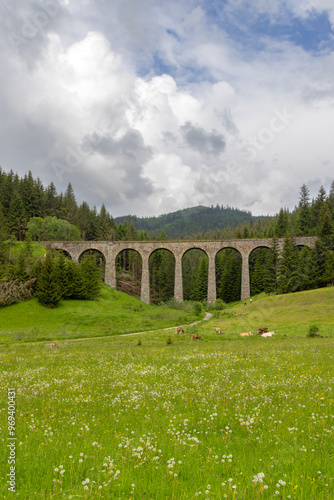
x=228 y=268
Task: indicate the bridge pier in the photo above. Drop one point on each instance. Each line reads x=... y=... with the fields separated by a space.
x=245 y=284
x=178 y=280
x=145 y=280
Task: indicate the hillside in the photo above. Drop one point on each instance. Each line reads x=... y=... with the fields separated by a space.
x=190 y=221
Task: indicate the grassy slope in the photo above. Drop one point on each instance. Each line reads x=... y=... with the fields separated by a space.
x=117 y=313
x=38 y=249
x=286 y=315
x=113 y=313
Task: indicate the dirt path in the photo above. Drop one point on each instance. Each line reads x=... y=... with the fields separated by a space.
x=207 y=316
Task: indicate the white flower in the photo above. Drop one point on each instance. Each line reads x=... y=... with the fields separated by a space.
x=86 y=487
x=56 y=469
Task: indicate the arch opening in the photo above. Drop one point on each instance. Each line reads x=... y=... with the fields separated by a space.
x=263 y=270
x=129 y=272
x=228 y=274
x=195 y=267
x=162 y=275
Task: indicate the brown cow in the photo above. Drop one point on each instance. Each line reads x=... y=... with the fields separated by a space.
x=178 y=329
x=195 y=337
x=259 y=331
x=245 y=334
x=218 y=330
x=53 y=345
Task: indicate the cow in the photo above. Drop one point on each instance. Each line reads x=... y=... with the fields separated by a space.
x=218 y=330
x=245 y=334
x=53 y=345
x=195 y=337
x=259 y=331
x=267 y=334
x=179 y=329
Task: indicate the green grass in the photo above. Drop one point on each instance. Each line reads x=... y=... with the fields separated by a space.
x=286 y=315
x=180 y=421
x=192 y=419
x=113 y=313
x=38 y=249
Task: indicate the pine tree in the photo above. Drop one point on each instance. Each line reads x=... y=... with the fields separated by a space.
x=48 y=289
x=304 y=212
x=89 y=278
x=272 y=266
x=282 y=224
x=69 y=207
x=200 y=292
x=16 y=217
x=288 y=280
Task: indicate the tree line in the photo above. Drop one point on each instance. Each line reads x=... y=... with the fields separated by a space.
x=30 y=212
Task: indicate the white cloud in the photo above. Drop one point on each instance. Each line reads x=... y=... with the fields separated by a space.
x=146 y=143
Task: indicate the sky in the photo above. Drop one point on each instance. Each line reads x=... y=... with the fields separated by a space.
x=152 y=106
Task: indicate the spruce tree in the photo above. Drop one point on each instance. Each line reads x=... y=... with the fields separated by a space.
x=48 y=289
x=304 y=212
x=282 y=223
x=288 y=280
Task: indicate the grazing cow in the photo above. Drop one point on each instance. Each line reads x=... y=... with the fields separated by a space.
x=245 y=334
x=178 y=329
x=218 y=330
x=195 y=337
x=259 y=331
x=53 y=345
x=268 y=334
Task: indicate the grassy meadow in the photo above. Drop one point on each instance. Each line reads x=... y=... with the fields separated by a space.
x=158 y=416
x=112 y=314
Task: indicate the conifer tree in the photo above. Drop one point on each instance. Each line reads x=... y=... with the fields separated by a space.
x=16 y=217
x=288 y=273
x=304 y=212
x=48 y=289
x=282 y=224
x=200 y=292
x=69 y=207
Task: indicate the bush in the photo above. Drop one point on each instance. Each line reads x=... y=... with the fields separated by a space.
x=313 y=331
x=197 y=308
x=14 y=291
x=169 y=341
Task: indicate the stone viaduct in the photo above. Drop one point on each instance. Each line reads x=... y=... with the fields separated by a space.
x=111 y=249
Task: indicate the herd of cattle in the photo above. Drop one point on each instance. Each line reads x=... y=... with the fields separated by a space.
x=260 y=331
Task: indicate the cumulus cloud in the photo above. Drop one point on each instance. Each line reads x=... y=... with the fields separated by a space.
x=151 y=108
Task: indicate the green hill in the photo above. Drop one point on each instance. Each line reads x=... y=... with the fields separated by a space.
x=190 y=221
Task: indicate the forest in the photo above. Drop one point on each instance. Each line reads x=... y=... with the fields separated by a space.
x=30 y=212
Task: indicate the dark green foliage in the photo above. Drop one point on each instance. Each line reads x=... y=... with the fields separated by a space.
x=88 y=283
x=288 y=280
x=228 y=272
x=304 y=211
x=197 y=308
x=200 y=291
x=282 y=224
x=48 y=288
x=162 y=275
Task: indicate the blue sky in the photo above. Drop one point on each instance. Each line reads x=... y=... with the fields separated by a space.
x=154 y=106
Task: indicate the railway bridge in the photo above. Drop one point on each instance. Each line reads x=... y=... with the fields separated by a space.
x=111 y=249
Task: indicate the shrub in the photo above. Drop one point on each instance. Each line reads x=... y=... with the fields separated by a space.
x=169 y=341
x=313 y=331
x=14 y=291
x=197 y=308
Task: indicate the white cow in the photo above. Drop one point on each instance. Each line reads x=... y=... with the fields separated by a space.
x=268 y=334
